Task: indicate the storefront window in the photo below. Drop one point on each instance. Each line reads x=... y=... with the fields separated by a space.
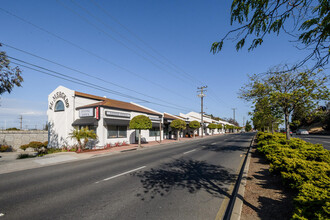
x=122 y=131
x=154 y=132
x=59 y=106
x=117 y=131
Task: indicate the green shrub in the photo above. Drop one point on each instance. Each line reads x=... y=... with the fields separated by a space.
x=305 y=168
x=36 y=144
x=24 y=147
x=5 y=148
x=23 y=156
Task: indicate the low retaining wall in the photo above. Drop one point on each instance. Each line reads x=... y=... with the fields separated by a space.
x=18 y=138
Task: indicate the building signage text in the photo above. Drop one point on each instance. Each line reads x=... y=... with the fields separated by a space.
x=86 y=112
x=118 y=114
x=56 y=96
x=97 y=111
x=154 y=118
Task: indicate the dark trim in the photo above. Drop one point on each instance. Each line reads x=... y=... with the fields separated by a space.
x=110 y=121
x=85 y=121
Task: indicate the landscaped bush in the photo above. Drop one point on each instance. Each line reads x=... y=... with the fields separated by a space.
x=36 y=145
x=5 y=148
x=24 y=147
x=305 y=168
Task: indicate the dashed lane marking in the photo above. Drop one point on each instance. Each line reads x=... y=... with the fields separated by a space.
x=187 y=152
x=121 y=174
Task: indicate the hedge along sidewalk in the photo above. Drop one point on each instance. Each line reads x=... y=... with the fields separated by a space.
x=304 y=168
x=9 y=163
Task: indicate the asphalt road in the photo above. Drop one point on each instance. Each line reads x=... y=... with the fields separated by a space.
x=316 y=139
x=178 y=181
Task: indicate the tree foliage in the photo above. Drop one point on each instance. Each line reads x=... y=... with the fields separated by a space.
x=177 y=125
x=286 y=91
x=248 y=126
x=266 y=115
x=82 y=136
x=140 y=122
x=9 y=77
x=194 y=125
x=212 y=126
x=306 y=21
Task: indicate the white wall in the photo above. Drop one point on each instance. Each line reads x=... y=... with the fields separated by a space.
x=59 y=123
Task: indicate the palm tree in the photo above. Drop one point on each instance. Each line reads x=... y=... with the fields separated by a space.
x=82 y=134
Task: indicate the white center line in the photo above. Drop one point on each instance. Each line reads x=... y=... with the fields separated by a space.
x=189 y=151
x=121 y=174
x=213 y=143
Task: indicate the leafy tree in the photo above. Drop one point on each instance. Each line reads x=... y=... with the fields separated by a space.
x=219 y=126
x=248 y=126
x=177 y=125
x=9 y=77
x=232 y=121
x=266 y=115
x=212 y=126
x=226 y=128
x=307 y=21
x=194 y=125
x=287 y=90
x=140 y=122
x=82 y=135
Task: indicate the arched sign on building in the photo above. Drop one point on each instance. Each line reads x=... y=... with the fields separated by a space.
x=59 y=95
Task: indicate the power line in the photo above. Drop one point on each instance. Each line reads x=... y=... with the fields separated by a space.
x=83 y=73
x=122 y=36
x=176 y=68
x=93 y=54
x=84 y=83
x=99 y=57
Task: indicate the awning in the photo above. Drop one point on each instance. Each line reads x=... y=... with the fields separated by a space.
x=85 y=121
x=110 y=121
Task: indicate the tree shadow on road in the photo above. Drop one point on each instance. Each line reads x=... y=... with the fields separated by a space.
x=190 y=175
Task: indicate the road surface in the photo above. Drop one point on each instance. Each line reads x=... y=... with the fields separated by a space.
x=186 y=180
x=316 y=139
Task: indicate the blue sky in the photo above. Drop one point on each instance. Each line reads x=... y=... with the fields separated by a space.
x=160 y=49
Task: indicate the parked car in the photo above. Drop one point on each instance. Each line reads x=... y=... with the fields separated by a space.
x=301 y=131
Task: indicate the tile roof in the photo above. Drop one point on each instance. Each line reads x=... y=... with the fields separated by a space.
x=111 y=103
x=169 y=116
x=85 y=95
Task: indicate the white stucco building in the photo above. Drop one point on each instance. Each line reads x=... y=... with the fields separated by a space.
x=69 y=109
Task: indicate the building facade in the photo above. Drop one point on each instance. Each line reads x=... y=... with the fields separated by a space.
x=69 y=109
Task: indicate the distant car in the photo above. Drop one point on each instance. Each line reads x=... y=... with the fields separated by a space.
x=283 y=131
x=301 y=131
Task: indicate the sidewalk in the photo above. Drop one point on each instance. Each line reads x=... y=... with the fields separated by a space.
x=9 y=163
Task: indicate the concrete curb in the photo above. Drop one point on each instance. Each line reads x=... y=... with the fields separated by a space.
x=239 y=198
x=237 y=210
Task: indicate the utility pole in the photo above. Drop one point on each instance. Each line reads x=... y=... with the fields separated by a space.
x=201 y=95
x=21 y=121
x=243 y=121
x=234 y=109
